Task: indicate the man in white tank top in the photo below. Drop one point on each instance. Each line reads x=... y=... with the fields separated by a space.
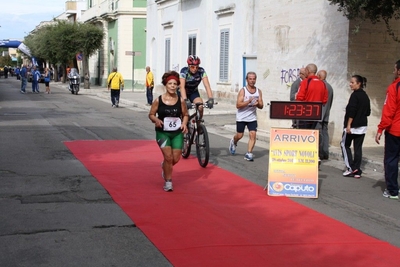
x=248 y=100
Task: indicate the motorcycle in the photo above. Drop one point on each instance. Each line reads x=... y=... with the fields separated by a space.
x=74 y=81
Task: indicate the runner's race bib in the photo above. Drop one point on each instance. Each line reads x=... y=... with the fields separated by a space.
x=172 y=123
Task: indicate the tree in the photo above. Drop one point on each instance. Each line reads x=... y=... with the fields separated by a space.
x=60 y=42
x=373 y=10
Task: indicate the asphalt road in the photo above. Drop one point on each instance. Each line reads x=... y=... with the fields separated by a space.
x=54 y=213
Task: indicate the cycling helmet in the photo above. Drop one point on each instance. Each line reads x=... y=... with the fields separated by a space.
x=193 y=60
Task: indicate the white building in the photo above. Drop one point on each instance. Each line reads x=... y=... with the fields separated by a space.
x=275 y=38
x=222 y=33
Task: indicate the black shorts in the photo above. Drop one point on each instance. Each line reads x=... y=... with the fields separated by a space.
x=241 y=125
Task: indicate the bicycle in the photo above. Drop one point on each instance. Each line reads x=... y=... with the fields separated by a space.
x=197 y=133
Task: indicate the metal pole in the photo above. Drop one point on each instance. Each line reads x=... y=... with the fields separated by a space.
x=133 y=72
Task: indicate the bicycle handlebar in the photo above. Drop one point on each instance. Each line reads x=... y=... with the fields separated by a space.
x=197 y=105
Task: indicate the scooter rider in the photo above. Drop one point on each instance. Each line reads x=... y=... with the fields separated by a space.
x=190 y=78
x=73 y=73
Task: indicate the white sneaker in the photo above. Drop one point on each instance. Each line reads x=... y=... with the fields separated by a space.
x=347 y=172
x=232 y=147
x=168 y=187
x=249 y=156
x=387 y=194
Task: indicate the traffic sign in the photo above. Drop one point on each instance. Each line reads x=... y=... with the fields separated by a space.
x=133 y=53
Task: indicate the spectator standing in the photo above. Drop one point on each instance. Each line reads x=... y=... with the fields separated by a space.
x=115 y=84
x=47 y=78
x=390 y=124
x=18 y=73
x=355 y=126
x=24 y=78
x=149 y=86
x=322 y=126
x=35 y=79
x=169 y=114
x=248 y=100
x=294 y=88
x=311 y=89
x=5 y=72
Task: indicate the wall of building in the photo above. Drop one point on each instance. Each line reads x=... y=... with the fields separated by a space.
x=294 y=34
x=372 y=54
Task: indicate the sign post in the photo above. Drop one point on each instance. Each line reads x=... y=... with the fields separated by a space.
x=293 y=163
x=293 y=153
x=133 y=54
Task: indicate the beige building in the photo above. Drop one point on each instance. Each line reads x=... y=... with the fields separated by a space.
x=295 y=33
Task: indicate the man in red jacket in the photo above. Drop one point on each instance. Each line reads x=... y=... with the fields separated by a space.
x=311 y=89
x=390 y=124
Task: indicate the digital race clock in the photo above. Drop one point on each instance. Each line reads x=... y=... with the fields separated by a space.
x=295 y=110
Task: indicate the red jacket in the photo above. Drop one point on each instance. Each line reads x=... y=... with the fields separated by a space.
x=312 y=89
x=390 y=120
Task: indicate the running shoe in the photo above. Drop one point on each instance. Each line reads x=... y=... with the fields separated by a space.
x=249 y=156
x=232 y=147
x=113 y=106
x=387 y=194
x=116 y=103
x=347 y=173
x=357 y=174
x=168 y=187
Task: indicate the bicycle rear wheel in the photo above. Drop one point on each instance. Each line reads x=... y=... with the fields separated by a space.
x=202 y=145
x=187 y=144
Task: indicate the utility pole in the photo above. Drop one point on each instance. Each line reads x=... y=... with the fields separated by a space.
x=133 y=54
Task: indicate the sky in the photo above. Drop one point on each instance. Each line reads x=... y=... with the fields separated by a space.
x=19 y=17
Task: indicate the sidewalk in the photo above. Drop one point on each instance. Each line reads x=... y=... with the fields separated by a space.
x=372 y=164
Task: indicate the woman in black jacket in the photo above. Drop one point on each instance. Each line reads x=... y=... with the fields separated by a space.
x=355 y=126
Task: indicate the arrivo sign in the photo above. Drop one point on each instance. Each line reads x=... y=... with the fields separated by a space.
x=295 y=110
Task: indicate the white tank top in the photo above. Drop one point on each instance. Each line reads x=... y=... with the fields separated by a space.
x=248 y=113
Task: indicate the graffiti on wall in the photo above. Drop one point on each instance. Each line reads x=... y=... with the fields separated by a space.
x=289 y=75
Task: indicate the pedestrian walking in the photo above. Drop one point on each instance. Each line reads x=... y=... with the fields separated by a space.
x=115 y=84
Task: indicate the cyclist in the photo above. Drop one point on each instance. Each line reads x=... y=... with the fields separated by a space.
x=190 y=78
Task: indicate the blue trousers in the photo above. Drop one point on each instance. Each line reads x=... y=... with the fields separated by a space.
x=35 y=86
x=391 y=163
x=23 y=84
x=149 y=95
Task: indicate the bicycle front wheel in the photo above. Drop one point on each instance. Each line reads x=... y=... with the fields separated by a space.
x=202 y=145
x=186 y=145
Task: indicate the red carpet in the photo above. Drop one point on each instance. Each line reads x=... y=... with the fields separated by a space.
x=216 y=218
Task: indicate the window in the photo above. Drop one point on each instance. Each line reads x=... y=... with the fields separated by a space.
x=167 y=54
x=224 y=55
x=192 y=44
